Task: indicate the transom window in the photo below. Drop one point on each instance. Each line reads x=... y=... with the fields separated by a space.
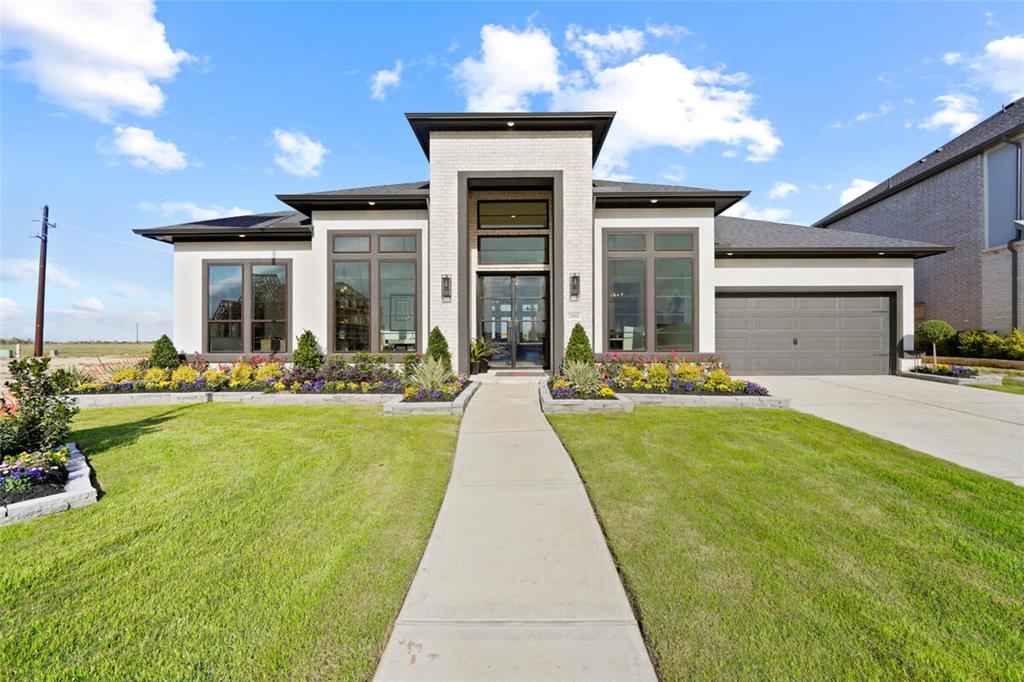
x=517 y=215
x=649 y=290
x=374 y=277
x=247 y=306
x=513 y=250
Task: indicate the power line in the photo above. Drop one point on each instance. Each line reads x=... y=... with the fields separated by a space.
x=112 y=239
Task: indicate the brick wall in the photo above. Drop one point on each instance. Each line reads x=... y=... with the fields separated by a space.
x=996 y=270
x=451 y=152
x=947 y=208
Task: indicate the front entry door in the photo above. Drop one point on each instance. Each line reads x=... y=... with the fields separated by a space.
x=513 y=313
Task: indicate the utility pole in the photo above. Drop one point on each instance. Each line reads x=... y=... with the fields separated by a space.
x=41 y=291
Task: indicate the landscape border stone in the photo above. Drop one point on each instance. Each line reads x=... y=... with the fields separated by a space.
x=550 y=404
x=701 y=400
x=456 y=407
x=987 y=379
x=78 y=492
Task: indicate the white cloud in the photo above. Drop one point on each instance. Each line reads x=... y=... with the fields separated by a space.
x=856 y=188
x=781 y=190
x=27 y=270
x=951 y=58
x=90 y=305
x=95 y=57
x=298 y=154
x=1001 y=66
x=959 y=112
x=131 y=290
x=662 y=102
x=8 y=308
x=674 y=173
x=665 y=30
x=751 y=212
x=145 y=150
x=595 y=49
x=513 y=66
x=193 y=211
x=882 y=110
x=384 y=79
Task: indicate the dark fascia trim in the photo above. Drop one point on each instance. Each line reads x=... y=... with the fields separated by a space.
x=831 y=252
x=306 y=203
x=854 y=206
x=598 y=122
x=223 y=234
x=719 y=200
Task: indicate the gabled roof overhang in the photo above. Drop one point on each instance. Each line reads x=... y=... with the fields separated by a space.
x=718 y=200
x=597 y=122
x=828 y=252
x=307 y=203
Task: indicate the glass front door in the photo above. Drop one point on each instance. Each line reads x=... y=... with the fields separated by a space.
x=513 y=313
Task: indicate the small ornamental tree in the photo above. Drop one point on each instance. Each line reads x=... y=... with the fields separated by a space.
x=935 y=332
x=164 y=355
x=39 y=407
x=437 y=348
x=307 y=353
x=579 y=348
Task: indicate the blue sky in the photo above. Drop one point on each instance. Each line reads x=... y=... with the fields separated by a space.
x=123 y=116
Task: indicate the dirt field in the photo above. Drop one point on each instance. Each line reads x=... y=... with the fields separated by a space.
x=93 y=350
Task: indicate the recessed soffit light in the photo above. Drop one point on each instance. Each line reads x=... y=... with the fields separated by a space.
x=510 y=124
x=372 y=203
x=654 y=201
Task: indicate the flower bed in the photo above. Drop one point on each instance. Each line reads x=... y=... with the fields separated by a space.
x=563 y=389
x=941 y=370
x=445 y=394
x=33 y=474
x=708 y=376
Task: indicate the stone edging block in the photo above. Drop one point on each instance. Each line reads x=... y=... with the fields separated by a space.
x=78 y=492
x=457 y=407
x=988 y=379
x=551 y=405
x=91 y=400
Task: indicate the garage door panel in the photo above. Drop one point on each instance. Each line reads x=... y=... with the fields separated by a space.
x=835 y=334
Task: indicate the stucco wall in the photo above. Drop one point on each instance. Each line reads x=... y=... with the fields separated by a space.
x=840 y=274
x=567 y=152
x=701 y=219
x=310 y=284
x=947 y=208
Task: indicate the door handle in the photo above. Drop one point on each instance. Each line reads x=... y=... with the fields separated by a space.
x=794 y=340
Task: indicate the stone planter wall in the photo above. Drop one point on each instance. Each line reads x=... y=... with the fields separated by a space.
x=560 y=405
x=674 y=399
x=91 y=400
x=456 y=407
x=78 y=492
x=989 y=379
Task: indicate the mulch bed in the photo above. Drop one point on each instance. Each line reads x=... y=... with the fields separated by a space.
x=40 y=490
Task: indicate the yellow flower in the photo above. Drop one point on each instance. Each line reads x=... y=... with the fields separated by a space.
x=606 y=392
x=155 y=375
x=409 y=391
x=279 y=386
x=184 y=375
x=127 y=374
x=268 y=370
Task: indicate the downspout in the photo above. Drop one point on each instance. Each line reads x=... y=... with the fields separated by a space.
x=1015 y=253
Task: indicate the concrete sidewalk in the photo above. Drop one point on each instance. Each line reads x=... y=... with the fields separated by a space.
x=517 y=582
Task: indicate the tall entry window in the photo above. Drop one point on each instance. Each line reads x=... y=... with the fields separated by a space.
x=650 y=290
x=247 y=307
x=375 y=285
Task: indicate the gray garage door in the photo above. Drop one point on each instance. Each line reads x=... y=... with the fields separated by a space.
x=767 y=334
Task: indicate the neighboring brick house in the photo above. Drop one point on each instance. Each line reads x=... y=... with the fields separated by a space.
x=966 y=194
x=513 y=240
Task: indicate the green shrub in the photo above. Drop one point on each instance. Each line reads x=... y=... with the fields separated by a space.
x=582 y=375
x=42 y=419
x=1014 y=345
x=164 y=354
x=307 y=353
x=437 y=348
x=934 y=332
x=409 y=364
x=579 y=347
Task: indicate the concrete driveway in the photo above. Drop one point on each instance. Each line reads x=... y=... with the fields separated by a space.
x=978 y=429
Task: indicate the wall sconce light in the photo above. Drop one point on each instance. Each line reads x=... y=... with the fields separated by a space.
x=574 y=285
x=446 y=287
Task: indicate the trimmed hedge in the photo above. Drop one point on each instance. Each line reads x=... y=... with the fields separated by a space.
x=978 y=343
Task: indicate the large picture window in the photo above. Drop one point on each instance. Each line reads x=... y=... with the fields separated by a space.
x=375 y=284
x=247 y=307
x=513 y=250
x=650 y=290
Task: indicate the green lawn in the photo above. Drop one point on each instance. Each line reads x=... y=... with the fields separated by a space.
x=231 y=542
x=87 y=349
x=767 y=544
x=1010 y=384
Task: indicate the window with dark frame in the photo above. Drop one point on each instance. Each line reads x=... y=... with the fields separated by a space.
x=247 y=307
x=513 y=249
x=512 y=215
x=375 y=279
x=649 y=290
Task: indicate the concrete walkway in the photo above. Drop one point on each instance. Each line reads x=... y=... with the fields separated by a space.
x=978 y=429
x=517 y=582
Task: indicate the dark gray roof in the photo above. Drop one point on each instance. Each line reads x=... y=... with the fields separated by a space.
x=602 y=186
x=286 y=225
x=615 y=194
x=1008 y=121
x=422 y=187
x=743 y=236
